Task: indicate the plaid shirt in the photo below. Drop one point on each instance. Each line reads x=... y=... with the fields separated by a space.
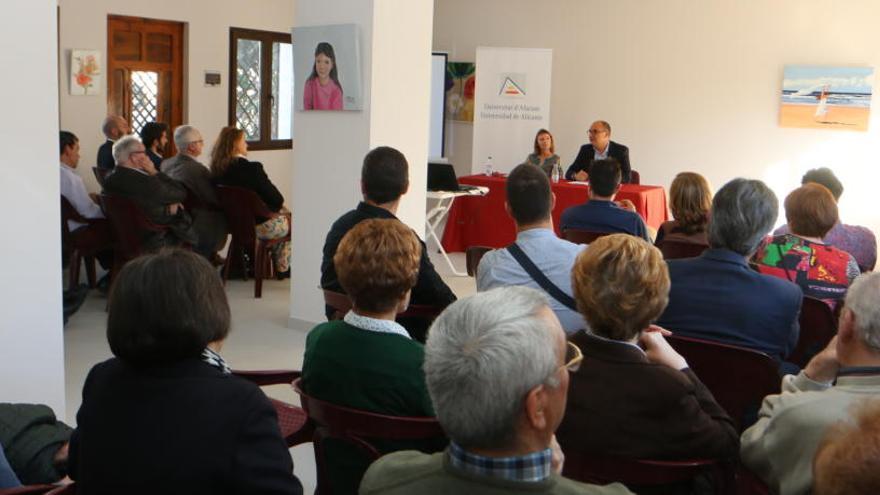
x=530 y=467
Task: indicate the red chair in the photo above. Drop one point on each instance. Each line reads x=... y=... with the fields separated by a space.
x=473 y=255
x=28 y=490
x=82 y=244
x=100 y=175
x=677 y=249
x=818 y=326
x=341 y=304
x=243 y=210
x=749 y=484
x=358 y=428
x=739 y=378
x=69 y=489
x=634 y=177
x=130 y=226
x=582 y=236
x=293 y=421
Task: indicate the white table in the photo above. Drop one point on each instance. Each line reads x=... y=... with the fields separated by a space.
x=437 y=214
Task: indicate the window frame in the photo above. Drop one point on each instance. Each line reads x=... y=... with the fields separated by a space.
x=266 y=38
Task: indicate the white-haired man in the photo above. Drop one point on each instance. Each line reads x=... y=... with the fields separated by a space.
x=158 y=196
x=780 y=447
x=209 y=221
x=496 y=366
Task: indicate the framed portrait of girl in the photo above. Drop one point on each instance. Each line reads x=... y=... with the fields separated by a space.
x=327 y=71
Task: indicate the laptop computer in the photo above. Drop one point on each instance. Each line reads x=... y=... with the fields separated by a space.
x=441 y=177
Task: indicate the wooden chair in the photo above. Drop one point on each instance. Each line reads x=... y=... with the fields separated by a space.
x=473 y=255
x=293 y=421
x=100 y=175
x=359 y=429
x=582 y=236
x=818 y=326
x=130 y=226
x=243 y=208
x=634 y=177
x=676 y=249
x=79 y=248
x=738 y=377
x=28 y=490
x=645 y=474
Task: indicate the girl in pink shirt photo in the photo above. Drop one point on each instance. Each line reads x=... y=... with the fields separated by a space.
x=322 y=90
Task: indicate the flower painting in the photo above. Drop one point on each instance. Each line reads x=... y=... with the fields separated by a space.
x=460 y=85
x=85 y=72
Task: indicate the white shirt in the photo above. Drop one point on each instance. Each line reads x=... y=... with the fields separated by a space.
x=603 y=155
x=73 y=188
x=375 y=324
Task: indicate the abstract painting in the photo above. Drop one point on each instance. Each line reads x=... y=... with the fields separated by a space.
x=460 y=86
x=817 y=97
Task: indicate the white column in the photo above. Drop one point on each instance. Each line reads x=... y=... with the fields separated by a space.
x=31 y=334
x=329 y=147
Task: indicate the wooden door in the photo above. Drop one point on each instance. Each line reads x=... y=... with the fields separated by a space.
x=145 y=71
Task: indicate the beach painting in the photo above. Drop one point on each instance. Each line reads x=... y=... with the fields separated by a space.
x=818 y=97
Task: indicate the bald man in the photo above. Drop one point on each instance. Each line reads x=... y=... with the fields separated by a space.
x=114 y=127
x=601 y=147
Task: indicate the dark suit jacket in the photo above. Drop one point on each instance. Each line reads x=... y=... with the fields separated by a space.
x=585 y=158
x=153 y=193
x=209 y=221
x=250 y=175
x=182 y=427
x=430 y=288
x=621 y=404
x=717 y=296
x=105 y=156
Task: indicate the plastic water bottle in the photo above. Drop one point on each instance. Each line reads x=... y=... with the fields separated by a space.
x=557 y=173
x=488 y=167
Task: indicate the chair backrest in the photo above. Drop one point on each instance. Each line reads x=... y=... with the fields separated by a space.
x=677 y=249
x=130 y=225
x=68 y=212
x=359 y=429
x=473 y=255
x=739 y=378
x=634 y=177
x=341 y=304
x=818 y=326
x=69 y=489
x=582 y=236
x=604 y=469
x=28 y=490
x=100 y=175
x=242 y=208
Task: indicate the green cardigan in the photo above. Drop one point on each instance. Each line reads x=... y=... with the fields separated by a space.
x=367 y=370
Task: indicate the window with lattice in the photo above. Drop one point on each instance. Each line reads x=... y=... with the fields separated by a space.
x=144 y=98
x=261 y=87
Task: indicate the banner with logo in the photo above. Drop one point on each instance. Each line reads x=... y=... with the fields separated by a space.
x=512 y=103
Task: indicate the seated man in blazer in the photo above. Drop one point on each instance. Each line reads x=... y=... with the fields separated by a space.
x=157 y=195
x=717 y=296
x=601 y=147
x=114 y=127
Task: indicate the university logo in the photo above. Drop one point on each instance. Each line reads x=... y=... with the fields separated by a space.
x=510 y=88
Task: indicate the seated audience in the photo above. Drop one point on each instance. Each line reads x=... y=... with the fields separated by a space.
x=35 y=443
x=230 y=167
x=529 y=202
x=497 y=368
x=167 y=400
x=854 y=239
x=114 y=127
x=544 y=155
x=848 y=461
x=717 y=296
x=820 y=270
x=154 y=135
x=601 y=213
x=691 y=198
x=780 y=447
x=158 y=196
x=634 y=396
x=209 y=221
x=384 y=179
x=368 y=361
x=601 y=147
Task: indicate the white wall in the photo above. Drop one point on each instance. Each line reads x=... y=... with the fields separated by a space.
x=396 y=51
x=31 y=334
x=84 y=26
x=688 y=85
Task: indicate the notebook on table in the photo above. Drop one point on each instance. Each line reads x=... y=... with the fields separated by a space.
x=441 y=177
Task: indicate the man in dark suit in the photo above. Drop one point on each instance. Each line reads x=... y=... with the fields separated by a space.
x=114 y=127
x=157 y=195
x=717 y=296
x=601 y=147
x=384 y=179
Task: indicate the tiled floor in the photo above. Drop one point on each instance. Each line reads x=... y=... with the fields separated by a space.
x=260 y=339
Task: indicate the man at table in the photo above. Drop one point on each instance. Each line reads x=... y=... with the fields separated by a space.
x=529 y=203
x=384 y=179
x=601 y=213
x=601 y=147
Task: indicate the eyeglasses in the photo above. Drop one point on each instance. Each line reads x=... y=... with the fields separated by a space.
x=573 y=357
x=136 y=152
x=596 y=131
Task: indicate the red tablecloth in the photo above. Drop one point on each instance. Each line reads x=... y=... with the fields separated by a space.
x=482 y=221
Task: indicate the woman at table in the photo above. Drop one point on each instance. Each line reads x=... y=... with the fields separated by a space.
x=230 y=167
x=545 y=153
x=822 y=271
x=691 y=199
